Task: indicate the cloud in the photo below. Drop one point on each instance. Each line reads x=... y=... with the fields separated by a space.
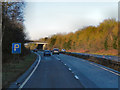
x=44 y=19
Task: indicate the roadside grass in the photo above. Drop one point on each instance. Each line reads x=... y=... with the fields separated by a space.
x=11 y=71
x=104 y=53
x=112 y=52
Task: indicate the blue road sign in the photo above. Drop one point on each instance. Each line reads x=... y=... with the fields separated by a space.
x=16 y=48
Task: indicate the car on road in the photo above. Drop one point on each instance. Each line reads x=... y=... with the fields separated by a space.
x=63 y=50
x=47 y=53
x=55 y=51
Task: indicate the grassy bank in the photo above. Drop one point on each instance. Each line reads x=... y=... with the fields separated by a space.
x=112 y=52
x=12 y=70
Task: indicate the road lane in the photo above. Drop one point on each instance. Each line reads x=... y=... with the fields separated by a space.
x=51 y=73
x=90 y=75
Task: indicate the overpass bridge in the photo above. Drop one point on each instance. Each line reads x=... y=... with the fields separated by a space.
x=40 y=45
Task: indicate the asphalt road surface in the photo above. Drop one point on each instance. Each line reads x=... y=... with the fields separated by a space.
x=90 y=74
x=63 y=71
x=51 y=73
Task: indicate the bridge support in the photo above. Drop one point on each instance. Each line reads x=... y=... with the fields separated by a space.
x=42 y=46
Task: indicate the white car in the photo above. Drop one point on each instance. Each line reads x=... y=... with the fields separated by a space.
x=63 y=50
x=55 y=51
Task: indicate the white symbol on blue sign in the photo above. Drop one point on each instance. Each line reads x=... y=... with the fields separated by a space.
x=16 y=48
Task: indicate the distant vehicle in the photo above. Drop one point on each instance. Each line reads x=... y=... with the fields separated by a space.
x=63 y=50
x=35 y=50
x=55 y=51
x=47 y=53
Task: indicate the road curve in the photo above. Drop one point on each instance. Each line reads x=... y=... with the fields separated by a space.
x=90 y=74
x=51 y=73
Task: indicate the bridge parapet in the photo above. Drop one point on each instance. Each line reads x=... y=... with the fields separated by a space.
x=40 y=45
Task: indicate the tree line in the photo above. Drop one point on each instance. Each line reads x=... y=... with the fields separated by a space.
x=88 y=39
x=12 y=29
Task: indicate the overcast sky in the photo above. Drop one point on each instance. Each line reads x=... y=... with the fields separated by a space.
x=47 y=18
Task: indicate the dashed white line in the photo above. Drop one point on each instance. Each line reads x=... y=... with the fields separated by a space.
x=76 y=77
x=72 y=72
x=70 y=69
x=57 y=58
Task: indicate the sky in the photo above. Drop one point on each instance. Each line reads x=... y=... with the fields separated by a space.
x=43 y=19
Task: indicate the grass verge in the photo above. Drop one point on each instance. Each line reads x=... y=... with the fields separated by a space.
x=11 y=71
x=113 y=52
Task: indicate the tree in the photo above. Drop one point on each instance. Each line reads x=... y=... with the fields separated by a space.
x=106 y=44
x=12 y=28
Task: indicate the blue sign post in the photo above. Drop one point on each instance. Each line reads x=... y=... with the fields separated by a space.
x=16 y=48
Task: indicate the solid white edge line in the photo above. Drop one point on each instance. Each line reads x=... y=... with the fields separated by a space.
x=105 y=69
x=30 y=74
x=110 y=71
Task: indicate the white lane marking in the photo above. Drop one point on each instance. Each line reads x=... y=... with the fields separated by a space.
x=70 y=69
x=76 y=77
x=91 y=63
x=57 y=58
x=30 y=74
x=110 y=71
x=106 y=69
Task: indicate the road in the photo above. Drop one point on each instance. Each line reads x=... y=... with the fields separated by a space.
x=51 y=73
x=90 y=74
x=63 y=71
